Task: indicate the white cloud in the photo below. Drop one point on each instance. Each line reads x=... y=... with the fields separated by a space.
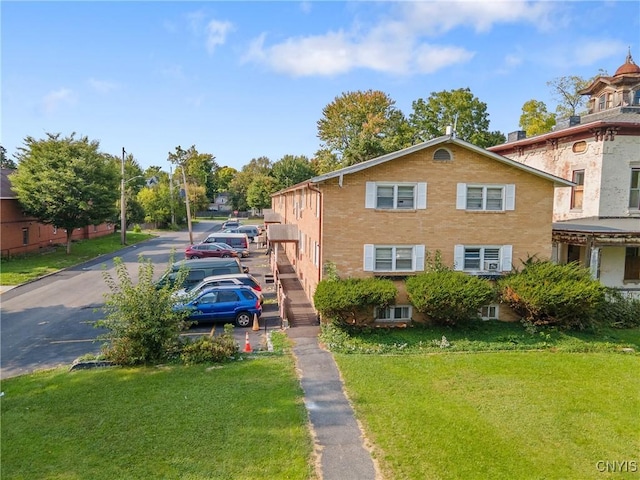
x=217 y=34
x=53 y=100
x=395 y=44
x=102 y=86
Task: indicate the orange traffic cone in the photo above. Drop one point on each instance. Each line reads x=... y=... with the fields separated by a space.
x=247 y=345
x=256 y=324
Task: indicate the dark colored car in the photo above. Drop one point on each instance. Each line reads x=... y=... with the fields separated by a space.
x=205 y=250
x=234 y=303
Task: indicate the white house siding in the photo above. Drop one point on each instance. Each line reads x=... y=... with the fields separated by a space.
x=611 y=264
x=619 y=157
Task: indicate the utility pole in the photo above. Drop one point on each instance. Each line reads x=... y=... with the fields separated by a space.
x=186 y=199
x=173 y=208
x=123 y=207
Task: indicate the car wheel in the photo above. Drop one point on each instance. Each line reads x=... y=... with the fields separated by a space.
x=243 y=319
x=226 y=255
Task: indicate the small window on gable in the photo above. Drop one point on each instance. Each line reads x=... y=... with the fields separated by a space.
x=442 y=155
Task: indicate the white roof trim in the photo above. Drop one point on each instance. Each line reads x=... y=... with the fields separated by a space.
x=446 y=139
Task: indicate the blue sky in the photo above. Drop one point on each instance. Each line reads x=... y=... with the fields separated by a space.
x=241 y=80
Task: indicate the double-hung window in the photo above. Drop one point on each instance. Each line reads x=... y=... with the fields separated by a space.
x=486 y=259
x=478 y=197
x=396 y=196
x=394 y=313
x=393 y=258
x=577 y=192
x=632 y=264
x=634 y=191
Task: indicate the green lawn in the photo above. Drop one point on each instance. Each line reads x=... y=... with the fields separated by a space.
x=508 y=415
x=17 y=270
x=242 y=420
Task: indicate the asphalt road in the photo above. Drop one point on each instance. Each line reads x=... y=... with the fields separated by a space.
x=51 y=322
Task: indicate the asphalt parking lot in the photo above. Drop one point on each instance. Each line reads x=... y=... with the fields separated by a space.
x=258 y=263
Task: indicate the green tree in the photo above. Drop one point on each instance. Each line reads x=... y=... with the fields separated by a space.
x=260 y=190
x=239 y=186
x=325 y=161
x=358 y=126
x=566 y=91
x=223 y=177
x=6 y=162
x=535 y=120
x=290 y=170
x=156 y=203
x=459 y=109
x=66 y=182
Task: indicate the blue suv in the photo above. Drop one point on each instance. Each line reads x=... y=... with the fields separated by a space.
x=234 y=303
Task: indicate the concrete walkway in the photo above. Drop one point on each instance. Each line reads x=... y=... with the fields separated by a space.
x=339 y=441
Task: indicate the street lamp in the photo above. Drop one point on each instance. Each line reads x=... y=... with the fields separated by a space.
x=123 y=207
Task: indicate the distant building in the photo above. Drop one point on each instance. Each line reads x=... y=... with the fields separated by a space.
x=23 y=234
x=597 y=221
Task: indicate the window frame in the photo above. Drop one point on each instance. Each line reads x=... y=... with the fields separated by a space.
x=508 y=194
x=577 y=177
x=631 y=264
x=419 y=196
x=504 y=258
x=489 y=316
x=634 y=189
x=392 y=318
x=372 y=259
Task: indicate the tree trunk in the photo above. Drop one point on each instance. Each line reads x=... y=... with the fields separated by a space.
x=69 y=234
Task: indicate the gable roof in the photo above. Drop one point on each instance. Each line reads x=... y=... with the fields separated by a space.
x=443 y=140
x=6 y=192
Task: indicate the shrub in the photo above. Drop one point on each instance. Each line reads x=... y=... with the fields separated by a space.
x=210 y=349
x=143 y=327
x=620 y=311
x=545 y=293
x=448 y=297
x=351 y=301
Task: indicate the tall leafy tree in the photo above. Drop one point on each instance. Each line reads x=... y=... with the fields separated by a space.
x=535 y=119
x=358 y=126
x=6 y=162
x=156 y=203
x=223 y=177
x=260 y=190
x=66 y=182
x=239 y=186
x=325 y=161
x=291 y=169
x=459 y=109
x=566 y=91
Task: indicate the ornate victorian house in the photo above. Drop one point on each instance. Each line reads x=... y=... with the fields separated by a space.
x=597 y=221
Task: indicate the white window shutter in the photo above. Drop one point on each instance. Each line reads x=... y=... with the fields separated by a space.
x=418 y=253
x=369 y=252
x=370 y=195
x=510 y=201
x=421 y=200
x=507 y=258
x=461 y=196
x=458 y=257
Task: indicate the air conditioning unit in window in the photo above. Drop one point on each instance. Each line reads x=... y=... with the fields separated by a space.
x=491 y=265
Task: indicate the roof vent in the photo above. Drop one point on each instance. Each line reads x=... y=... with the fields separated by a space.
x=449 y=130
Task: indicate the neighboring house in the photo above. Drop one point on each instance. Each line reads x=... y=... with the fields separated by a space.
x=386 y=217
x=597 y=221
x=22 y=234
x=221 y=203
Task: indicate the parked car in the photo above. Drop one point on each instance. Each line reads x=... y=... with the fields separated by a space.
x=203 y=250
x=251 y=231
x=230 y=279
x=235 y=303
x=200 y=268
x=238 y=241
x=231 y=224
